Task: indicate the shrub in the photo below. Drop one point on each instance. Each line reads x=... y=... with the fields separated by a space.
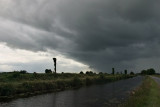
x=101 y=76
x=23 y=71
x=81 y=72
x=6 y=90
x=35 y=74
x=131 y=73
x=88 y=81
x=76 y=82
x=100 y=72
x=48 y=71
x=89 y=72
x=150 y=71
x=16 y=75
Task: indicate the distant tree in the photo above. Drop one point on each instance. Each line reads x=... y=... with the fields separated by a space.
x=131 y=73
x=150 y=71
x=23 y=71
x=62 y=72
x=113 y=71
x=89 y=72
x=16 y=75
x=125 y=72
x=106 y=73
x=100 y=72
x=35 y=74
x=101 y=76
x=81 y=72
x=117 y=73
x=144 y=72
x=48 y=71
x=16 y=71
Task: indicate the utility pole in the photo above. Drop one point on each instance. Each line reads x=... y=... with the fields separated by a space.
x=113 y=71
x=54 y=60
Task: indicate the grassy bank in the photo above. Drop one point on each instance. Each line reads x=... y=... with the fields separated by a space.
x=13 y=85
x=147 y=95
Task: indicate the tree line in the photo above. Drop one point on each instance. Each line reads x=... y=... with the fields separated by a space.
x=150 y=71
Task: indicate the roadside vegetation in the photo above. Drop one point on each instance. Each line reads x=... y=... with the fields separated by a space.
x=150 y=71
x=147 y=95
x=22 y=84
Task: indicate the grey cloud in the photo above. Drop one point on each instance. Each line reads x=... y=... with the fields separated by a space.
x=102 y=34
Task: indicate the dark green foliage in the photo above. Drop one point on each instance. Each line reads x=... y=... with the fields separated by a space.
x=6 y=90
x=88 y=81
x=15 y=75
x=23 y=71
x=76 y=82
x=150 y=71
x=61 y=85
x=89 y=72
x=144 y=72
x=131 y=73
x=35 y=74
x=48 y=71
x=101 y=76
x=100 y=73
x=113 y=71
x=81 y=72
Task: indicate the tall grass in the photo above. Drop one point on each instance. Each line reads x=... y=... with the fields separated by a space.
x=147 y=95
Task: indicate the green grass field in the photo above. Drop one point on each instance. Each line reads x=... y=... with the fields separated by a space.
x=147 y=95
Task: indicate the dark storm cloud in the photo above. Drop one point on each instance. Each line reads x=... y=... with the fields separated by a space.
x=102 y=34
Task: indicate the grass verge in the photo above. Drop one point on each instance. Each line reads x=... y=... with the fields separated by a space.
x=147 y=95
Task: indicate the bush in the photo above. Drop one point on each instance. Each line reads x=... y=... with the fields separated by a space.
x=16 y=75
x=81 y=72
x=131 y=73
x=150 y=71
x=101 y=76
x=76 y=82
x=6 y=90
x=100 y=73
x=35 y=74
x=48 y=71
x=23 y=71
x=89 y=72
x=88 y=81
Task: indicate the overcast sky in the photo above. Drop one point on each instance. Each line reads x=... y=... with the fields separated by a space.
x=82 y=34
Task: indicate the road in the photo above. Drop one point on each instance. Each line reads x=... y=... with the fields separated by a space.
x=157 y=79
